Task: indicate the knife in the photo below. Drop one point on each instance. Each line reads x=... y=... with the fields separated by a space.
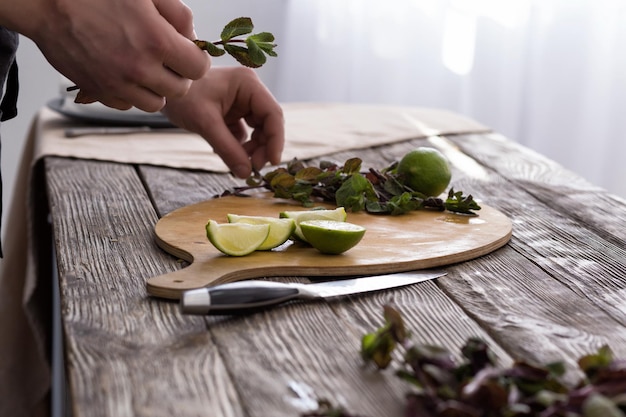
x=76 y=132
x=242 y=296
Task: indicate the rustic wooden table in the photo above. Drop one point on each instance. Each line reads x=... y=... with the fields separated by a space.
x=555 y=291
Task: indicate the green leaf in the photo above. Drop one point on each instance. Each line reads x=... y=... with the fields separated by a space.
x=377 y=347
x=282 y=183
x=557 y=369
x=294 y=166
x=393 y=186
x=376 y=207
x=396 y=323
x=353 y=193
x=262 y=37
x=211 y=48
x=265 y=41
x=241 y=55
x=255 y=53
x=401 y=204
x=352 y=166
x=592 y=363
x=237 y=27
x=308 y=174
x=458 y=203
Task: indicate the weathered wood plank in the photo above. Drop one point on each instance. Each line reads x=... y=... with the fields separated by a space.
x=316 y=346
x=550 y=183
x=488 y=185
x=557 y=289
x=526 y=299
x=174 y=188
x=589 y=255
x=125 y=352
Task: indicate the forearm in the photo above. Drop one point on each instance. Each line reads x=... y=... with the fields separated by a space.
x=29 y=17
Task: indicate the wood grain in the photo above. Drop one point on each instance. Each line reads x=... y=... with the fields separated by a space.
x=551 y=184
x=416 y=240
x=121 y=346
x=555 y=291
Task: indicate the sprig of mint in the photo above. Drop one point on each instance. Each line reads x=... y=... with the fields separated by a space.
x=476 y=387
x=374 y=191
x=257 y=46
x=252 y=55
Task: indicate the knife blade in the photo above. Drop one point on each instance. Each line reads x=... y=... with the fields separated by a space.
x=76 y=132
x=239 y=297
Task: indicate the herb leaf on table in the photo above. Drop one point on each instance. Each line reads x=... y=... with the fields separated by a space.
x=348 y=185
x=476 y=387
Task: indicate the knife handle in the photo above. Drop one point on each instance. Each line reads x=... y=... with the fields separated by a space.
x=238 y=297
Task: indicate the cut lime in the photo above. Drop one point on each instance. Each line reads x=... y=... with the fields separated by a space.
x=236 y=239
x=332 y=237
x=280 y=229
x=338 y=214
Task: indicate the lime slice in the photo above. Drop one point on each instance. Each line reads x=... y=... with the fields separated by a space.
x=236 y=239
x=280 y=229
x=338 y=214
x=332 y=237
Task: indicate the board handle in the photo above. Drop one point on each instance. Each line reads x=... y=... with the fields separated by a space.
x=173 y=284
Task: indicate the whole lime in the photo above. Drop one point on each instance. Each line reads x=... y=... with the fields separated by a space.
x=425 y=170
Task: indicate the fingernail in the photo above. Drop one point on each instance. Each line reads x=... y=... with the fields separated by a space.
x=82 y=98
x=241 y=171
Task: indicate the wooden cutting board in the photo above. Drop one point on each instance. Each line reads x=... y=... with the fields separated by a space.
x=418 y=240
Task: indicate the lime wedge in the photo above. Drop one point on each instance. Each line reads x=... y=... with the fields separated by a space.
x=338 y=214
x=280 y=229
x=332 y=237
x=236 y=239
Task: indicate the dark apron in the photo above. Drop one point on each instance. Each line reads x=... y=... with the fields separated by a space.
x=8 y=75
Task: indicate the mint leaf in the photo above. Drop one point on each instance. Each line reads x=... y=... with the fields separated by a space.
x=353 y=193
x=308 y=174
x=237 y=27
x=352 y=166
x=241 y=55
x=375 y=191
x=458 y=203
x=255 y=54
x=262 y=37
x=265 y=41
x=211 y=48
x=476 y=386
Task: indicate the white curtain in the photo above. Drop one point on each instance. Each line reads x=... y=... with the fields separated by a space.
x=550 y=74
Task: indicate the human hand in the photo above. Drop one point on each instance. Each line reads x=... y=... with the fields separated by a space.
x=220 y=105
x=119 y=52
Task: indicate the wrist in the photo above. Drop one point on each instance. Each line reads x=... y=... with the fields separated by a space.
x=29 y=18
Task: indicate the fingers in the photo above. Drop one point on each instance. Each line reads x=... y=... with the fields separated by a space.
x=178 y=14
x=273 y=135
x=229 y=148
x=169 y=61
x=187 y=60
x=241 y=158
x=166 y=83
x=267 y=119
x=182 y=56
x=220 y=105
